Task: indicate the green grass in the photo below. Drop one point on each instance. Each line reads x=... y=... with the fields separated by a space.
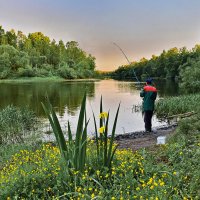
x=170 y=172
x=43 y=79
x=32 y=79
x=177 y=105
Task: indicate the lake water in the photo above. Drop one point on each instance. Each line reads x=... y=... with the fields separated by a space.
x=66 y=98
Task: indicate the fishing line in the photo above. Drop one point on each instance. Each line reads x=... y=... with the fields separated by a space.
x=127 y=60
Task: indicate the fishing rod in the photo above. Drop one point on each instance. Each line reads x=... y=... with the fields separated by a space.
x=127 y=60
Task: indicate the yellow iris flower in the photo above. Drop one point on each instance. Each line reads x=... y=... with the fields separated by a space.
x=103 y=115
x=102 y=129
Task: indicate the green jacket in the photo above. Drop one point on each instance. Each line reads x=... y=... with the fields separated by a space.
x=149 y=94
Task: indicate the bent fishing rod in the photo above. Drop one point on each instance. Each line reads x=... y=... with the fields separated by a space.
x=127 y=60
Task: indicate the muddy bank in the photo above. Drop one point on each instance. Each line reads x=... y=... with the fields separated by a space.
x=141 y=139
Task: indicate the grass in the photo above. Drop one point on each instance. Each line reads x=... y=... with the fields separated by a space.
x=42 y=79
x=32 y=79
x=172 y=172
x=177 y=105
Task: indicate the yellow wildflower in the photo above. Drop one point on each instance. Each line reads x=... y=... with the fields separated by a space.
x=137 y=188
x=162 y=183
x=102 y=129
x=103 y=115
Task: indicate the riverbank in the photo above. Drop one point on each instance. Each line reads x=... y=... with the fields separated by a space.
x=33 y=79
x=44 y=79
x=140 y=139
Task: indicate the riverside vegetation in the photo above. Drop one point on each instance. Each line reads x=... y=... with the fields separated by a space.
x=83 y=168
x=36 y=55
x=179 y=64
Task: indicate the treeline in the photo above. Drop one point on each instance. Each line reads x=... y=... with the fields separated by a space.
x=175 y=63
x=37 y=55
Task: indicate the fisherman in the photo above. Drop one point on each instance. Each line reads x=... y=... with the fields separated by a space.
x=149 y=94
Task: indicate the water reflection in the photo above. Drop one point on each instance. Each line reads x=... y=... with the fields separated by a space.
x=66 y=98
x=62 y=95
x=167 y=87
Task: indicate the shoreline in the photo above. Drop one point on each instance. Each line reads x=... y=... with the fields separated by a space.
x=45 y=79
x=141 y=139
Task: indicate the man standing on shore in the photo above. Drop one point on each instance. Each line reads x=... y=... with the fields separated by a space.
x=149 y=94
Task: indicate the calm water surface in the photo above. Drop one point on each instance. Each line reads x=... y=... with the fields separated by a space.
x=66 y=98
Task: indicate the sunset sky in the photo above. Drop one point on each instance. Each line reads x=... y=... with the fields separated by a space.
x=140 y=27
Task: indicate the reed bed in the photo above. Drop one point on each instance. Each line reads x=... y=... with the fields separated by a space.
x=178 y=105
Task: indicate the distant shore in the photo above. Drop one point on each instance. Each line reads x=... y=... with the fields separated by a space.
x=43 y=79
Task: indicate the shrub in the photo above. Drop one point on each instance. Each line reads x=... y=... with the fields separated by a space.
x=5 y=73
x=26 y=72
x=67 y=73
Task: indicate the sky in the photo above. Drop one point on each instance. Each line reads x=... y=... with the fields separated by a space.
x=140 y=27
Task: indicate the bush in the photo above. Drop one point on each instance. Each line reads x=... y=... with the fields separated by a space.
x=42 y=72
x=26 y=72
x=67 y=73
x=5 y=73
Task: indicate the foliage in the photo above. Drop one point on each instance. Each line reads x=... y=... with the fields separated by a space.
x=176 y=105
x=74 y=153
x=190 y=76
x=183 y=153
x=167 y=65
x=170 y=172
x=26 y=72
x=67 y=73
x=16 y=124
x=28 y=56
x=105 y=147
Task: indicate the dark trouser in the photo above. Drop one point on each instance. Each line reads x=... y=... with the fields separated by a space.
x=147 y=119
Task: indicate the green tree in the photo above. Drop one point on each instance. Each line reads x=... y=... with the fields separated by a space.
x=190 y=76
x=37 y=55
x=21 y=40
x=11 y=38
x=12 y=59
x=2 y=32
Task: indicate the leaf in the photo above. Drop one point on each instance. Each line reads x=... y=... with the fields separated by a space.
x=106 y=140
x=96 y=135
x=79 y=130
x=113 y=135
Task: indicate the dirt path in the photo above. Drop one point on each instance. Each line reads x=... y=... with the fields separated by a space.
x=141 y=139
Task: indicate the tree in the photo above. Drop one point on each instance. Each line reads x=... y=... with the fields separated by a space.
x=21 y=40
x=37 y=55
x=12 y=59
x=40 y=42
x=11 y=38
x=2 y=32
x=190 y=76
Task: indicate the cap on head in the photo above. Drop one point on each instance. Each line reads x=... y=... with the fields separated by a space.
x=149 y=80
